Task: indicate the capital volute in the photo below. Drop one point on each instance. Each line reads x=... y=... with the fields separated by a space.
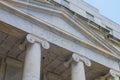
x=32 y=39
x=109 y=76
x=114 y=73
x=78 y=58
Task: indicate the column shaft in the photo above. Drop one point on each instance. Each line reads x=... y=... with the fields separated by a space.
x=116 y=78
x=32 y=62
x=78 y=72
x=110 y=78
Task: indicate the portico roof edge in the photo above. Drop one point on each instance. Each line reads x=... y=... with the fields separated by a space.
x=38 y=22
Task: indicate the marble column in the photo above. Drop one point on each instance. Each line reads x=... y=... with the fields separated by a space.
x=116 y=78
x=77 y=67
x=78 y=72
x=32 y=62
x=114 y=74
x=109 y=78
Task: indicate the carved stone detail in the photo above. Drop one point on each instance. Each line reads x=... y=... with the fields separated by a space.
x=114 y=73
x=32 y=39
x=76 y=58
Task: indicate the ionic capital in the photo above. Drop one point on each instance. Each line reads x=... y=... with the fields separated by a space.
x=32 y=39
x=78 y=58
x=114 y=73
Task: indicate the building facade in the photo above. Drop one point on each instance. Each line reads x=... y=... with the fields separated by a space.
x=57 y=40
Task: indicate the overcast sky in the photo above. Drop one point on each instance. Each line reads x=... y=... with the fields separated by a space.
x=108 y=8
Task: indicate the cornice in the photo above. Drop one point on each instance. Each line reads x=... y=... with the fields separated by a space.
x=51 y=27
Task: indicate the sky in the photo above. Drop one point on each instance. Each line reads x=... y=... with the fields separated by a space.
x=108 y=8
